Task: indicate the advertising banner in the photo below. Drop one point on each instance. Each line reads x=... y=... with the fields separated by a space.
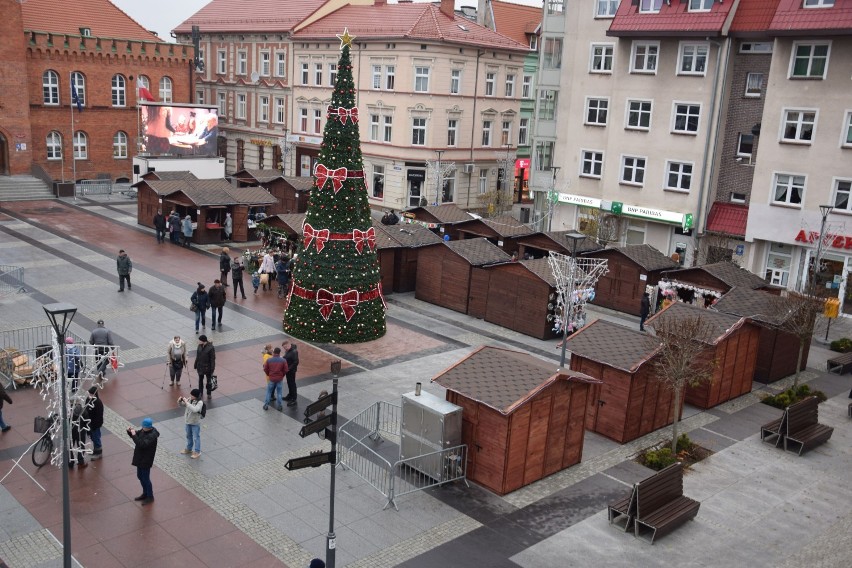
x=179 y=130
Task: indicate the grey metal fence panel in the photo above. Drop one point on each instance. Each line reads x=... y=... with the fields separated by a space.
x=11 y=279
x=94 y=187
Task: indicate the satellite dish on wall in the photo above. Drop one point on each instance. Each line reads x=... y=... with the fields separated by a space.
x=255 y=76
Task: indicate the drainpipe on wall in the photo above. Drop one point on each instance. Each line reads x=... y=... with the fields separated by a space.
x=479 y=53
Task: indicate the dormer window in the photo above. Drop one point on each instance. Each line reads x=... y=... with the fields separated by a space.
x=700 y=5
x=818 y=3
x=86 y=32
x=650 y=6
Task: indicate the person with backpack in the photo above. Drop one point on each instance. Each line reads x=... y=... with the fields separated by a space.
x=193 y=413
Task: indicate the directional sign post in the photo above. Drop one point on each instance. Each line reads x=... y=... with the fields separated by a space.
x=321 y=404
x=316 y=459
x=315 y=426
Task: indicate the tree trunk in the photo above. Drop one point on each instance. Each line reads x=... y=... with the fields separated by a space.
x=675 y=417
x=799 y=363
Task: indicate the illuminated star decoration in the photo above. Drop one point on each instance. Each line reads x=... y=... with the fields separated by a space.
x=345 y=39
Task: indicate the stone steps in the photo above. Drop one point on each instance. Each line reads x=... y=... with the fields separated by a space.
x=23 y=188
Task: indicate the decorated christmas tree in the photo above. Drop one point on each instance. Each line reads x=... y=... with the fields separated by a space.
x=336 y=294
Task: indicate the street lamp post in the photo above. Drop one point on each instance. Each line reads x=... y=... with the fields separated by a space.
x=60 y=316
x=440 y=177
x=331 y=539
x=568 y=304
x=824 y=211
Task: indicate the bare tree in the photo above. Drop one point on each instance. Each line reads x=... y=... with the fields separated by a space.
x=599 y=225
x=796 y=313
x=685 y=357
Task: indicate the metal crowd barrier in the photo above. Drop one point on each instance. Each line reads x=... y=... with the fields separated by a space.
x=94 y=187
x=11 y=280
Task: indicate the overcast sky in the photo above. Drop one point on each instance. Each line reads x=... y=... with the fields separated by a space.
x=162 y=16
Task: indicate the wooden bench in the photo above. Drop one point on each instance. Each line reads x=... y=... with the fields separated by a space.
x=803 y=427
x=660 y=503
x=772 y=430
x=623 y=511
x=840 y=364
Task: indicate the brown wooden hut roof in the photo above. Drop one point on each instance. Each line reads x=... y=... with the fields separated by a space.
x=258 y=176
x=759 y=306
x=300 y=183
x=410 y=235
x=503 y=379
x=646 y=256
x=212 y=192
x=541 y=268
x=478 y=252
x=447 y=213
x=507 y=226
x=169 y=176
x=293 y=222
x=558 y=237
x=613 y=345
x=720 y=325
x=727 y=272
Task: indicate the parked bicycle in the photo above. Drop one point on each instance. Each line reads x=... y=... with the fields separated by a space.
x=43 y=448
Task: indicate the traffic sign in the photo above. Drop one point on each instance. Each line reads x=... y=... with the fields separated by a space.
x=316 y=459
x=321 y=404
x=316 y=426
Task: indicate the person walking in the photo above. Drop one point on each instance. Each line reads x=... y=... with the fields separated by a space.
x=186 y=225
x=160 y=226
x=229 y=226
x=144 y=451
x=192 y=418
x=101 y=339
x=217 y=303
x=79 y=427
x=125 y=267
x=174 y=227
x=291 y=355
x=73 y=363
x=282 y=274
x=267 y=266
x=276 y=369
x=95 y=408
x=176 y=359
x=4 y=396
x=201 y=300
x=644 y=310
x=205 y=364
x=224 y=265
x=237 y=269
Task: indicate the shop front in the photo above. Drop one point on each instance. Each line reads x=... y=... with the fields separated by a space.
x=831 y=279
x=307 y=153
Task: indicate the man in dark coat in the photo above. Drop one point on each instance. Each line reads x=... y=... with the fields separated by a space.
x=174 y=227
x=4 y=396
x=644 y=310
x=124 y=266
x=237 y=276
x=145 y=442
x=160 y=226
x=291 y=355
x=96 y=420
x=205 y=363
x=224 y=265
x=216 y=295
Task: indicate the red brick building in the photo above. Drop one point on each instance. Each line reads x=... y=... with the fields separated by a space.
x=109 y=56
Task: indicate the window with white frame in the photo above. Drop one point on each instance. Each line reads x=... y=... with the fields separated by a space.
x=526 y=87
x=201 y=57
x=221 y=62
x=692 y=59
x=54 y=145
x=374 y=127
x=754 y=84
x=650 y=6
x=818 y=3
x=506 y=133
x=143 y=81
x=486 y=132
x=523 y=131
x=119 y=94
x=317 y=121
x=533 y=42
x=280 y=110
x=303 y=119
x=222 y=103
x=263 y=108
x=483 y=180
x=305 y=72
x=738 y=197
x=241 y=105
x=788 y=189
x=686 y=117
x=490 y=80
x=638 y=114
x=678 y=176
x=332 y=74
x=418 y=131
x=544 y=155
x=547 y=104
x=745 y=145
x=809 y=60
x=601 y=58
x=842 y=189
x=199 y=96
x=756 y=47
x=847 y=130
x=632 y=170
x=455 y=81
x=388 y=129
x=644 y=56
x=318 y=74
x=597 y=111
x=280 y=63
x=605 y=8
x=78 y=85
x=378 y=181
x=421 y=79
x=452 y=131
x=448 y=192
x=119 y=145
x=510 y=85
x=700 y=5
x=166 y=90
x=591 y=163
x=778 y=264
x=798 y=126
x=555 y=6
x=81 y=145
x=265 y=64
x=242 y=63
x=552 y=53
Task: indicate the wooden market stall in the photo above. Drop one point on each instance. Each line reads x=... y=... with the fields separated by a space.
x=631 y=269
x=703 y=285
x=409 y=241
x=630 y=402
x=291 y=192
x=502 y=231
x=444 y=271
x=777 y=350
x=538 y=245
x=521 y=420
x=442 y=219
x=732 y=342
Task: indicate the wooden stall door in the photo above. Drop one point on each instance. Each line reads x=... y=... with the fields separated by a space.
x=241 y=230
x=489 y=444
x=612 y=403
x=455 y=283
x=479 y=292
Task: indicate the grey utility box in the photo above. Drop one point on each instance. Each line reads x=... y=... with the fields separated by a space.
x=429 y=424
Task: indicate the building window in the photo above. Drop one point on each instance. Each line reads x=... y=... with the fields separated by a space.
x=745 y=145
x=277 y=158
x=81 y=146
x=842 y=189
x=510 y=85
x=533 y=42
x=686 y=118
x=592 y=164
x=552 y=53
x=452 y=131
x=199 y=96
x=754 y=84
x=265 y=64
x=678 y=176
x=242 y=63
x=644 y=57
x=418 y=132
x=388 y=128
x=798 y=126
x=605 y=8
x=847 y=128
x=788 y=189
x=119 y=145
x=486 y=132
x=280 y=117
x=54 y=145
x=523 y=131
x=448 y=192
x=596 y=111
x=818 y=3
x=483 y=180
x=305 y=73
x=303 y=120
x=280 y=63
x=378 y=182
x=222 y=103
x=635 y=234
x=50 y=86
x=78 y=85
x=241 y=106
x=639 y=115
x=555 y=6
x=490 y=79
x=506 y=133
x=388 y=72
x=166 y=90
x=119 y=96
x=143 y=81
x=374 y=128
x=241 y=154
x=650 y=6
x=738 y=197
x=421 y=79
x=602 y=55
x=778 y=263
x=318 y=74
x=632 y=170
x=332 y=74
x=317 y=121
x=526 y=87
x=264 y=109
x=547 y=104
x=692 y=59
x=455 y=81
x=221 y=62
x=701 y=5
x=544 y=155
x=809 y=61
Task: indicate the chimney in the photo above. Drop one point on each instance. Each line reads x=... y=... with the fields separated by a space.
x=448 y=7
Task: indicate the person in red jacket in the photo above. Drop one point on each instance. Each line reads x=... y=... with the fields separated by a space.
x=275 y=368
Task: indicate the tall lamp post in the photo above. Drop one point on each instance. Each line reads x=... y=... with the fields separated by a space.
x=824 y=211
x=60 y=316
x=574 y=237
x=331 y=539
x=440 y=177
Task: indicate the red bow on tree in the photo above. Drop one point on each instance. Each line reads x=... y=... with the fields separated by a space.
x=344 y=113
x=324 y=174
x=321 y=236
x=326 y=301
x=360 y=236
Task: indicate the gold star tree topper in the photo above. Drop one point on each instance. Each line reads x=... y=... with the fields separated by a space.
x=345 y=38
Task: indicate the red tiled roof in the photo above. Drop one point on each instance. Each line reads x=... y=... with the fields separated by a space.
x=673 y=19
x=249 y=16
x=791 y=18
x=516 y=21
x=102 y=17
x=753 y=16
x=405 y=21
x=727 y=218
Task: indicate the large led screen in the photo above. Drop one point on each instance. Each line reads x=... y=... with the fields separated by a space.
x=179 y=130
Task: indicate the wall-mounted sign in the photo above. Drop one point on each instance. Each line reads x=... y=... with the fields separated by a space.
x=834 y=241
x=579 y=200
